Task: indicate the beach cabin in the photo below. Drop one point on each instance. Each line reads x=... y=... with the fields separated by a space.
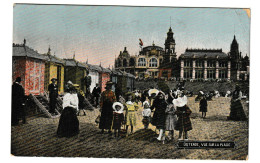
x=104 y=77
x=75 y=72
x=30 y=66
x=94 y=73
x=54 y=68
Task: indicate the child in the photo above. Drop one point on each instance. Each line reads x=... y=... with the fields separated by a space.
x=131 y=107
x=203 y=107
x=171 y=119
x=118 y=118
x=183 y=112
x=146 y=114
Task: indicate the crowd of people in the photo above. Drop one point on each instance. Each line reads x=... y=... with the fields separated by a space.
x=167 y=111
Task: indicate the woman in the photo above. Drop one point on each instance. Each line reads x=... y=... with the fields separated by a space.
x=183 y=112
x=107 y=99
x=203 y=107
x=69 y=123
x=237 y=112
x=159 y=115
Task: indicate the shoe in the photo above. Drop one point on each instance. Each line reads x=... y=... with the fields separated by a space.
x=179 y=139
x=186 y=139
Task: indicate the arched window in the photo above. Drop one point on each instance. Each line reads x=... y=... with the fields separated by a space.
x=119 y=63
x=132 y=62
x=153 y=62
x=124 y=63
x=141 y=62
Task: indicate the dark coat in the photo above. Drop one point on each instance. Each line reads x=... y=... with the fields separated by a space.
x=106 y=102
x=53 y=94
x=118 y=119
x=159 y=116
x=203 y=105
x=236 y=111
x=18 y=99
x=183 y=121
x=96 y=91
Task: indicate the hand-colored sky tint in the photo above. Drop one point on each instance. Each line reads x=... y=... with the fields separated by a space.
x=99 y=33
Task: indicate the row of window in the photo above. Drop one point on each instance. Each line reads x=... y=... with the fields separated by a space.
x=141 y=62
x=199 y=74
x=200 y=63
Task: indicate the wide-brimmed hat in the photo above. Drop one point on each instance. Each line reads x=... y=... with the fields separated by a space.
x=121 y=110
x=153 y=91
x=180 y=101
x=54 y=79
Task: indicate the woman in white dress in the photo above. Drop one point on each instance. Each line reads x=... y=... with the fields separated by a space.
x=69 y=123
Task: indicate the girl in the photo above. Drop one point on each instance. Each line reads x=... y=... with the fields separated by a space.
x=118 y=118
x=171 y=119
x=146 y=114
x=131 y=107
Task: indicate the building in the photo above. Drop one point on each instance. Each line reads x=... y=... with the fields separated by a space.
x=94 y=73
x=104 y=77
x=75 y=72
x=204 y=64
x=153 y=61
x=213 y=64
x=54 y=68
x=30 y=66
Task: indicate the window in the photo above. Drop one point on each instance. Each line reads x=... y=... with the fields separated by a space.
x=222 y=64
x=187 y=63
x=141 y=62
x=199 y=74
x=124 y=63
x=211 y=63
x=222 y=74
x=187 y=73
x=153 y=62
x=199 y=63
x=132 y=62
x=211 y=74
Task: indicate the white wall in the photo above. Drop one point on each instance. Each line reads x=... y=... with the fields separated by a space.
x=94 y=79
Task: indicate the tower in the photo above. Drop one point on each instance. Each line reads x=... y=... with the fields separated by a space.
x=170 y=54
x=235 y=59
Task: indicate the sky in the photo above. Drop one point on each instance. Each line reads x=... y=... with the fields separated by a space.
x=99 y=33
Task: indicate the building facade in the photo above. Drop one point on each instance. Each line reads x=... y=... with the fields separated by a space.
x=153 y=61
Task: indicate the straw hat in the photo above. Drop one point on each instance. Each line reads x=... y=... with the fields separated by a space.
x=121 y=110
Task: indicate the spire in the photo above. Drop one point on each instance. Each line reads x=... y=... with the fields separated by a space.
x=24 y=42
x=153 y=43
x=49 y=51
x=74 y=55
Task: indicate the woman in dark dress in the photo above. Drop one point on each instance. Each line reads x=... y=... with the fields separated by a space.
x=183 y=112
x=69 y=123
x=107 y=99
x=237 y=112
x=203 y=107
x=159 y=116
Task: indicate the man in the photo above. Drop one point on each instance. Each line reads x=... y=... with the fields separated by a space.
x=53 y=95
x=96 y=94
x=18 y=102
x=87 y=81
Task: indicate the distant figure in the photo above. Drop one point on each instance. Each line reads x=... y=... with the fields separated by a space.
x=87 y=81
x=53 y=95
x=18 y=102
x=203 y=107
x=69 y=123
x=107 y=99
x=228 y=94
x=236 y=111
x=81 y=98
x=146 y=114
x=118 y=118
x=96 y=95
